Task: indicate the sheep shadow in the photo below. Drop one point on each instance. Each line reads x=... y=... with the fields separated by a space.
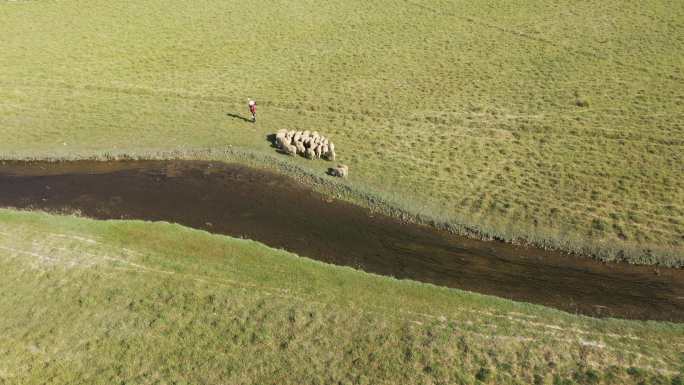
x=236 y=116
x=331 y=171
x=271 y=138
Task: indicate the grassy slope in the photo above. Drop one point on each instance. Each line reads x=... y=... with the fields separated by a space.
x=458 y=110
x=132 y=302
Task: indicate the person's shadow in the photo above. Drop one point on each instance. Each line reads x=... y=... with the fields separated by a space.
x=236 y=116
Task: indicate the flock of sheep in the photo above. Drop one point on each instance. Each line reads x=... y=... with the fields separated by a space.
x=311 y=145
x=306 y=143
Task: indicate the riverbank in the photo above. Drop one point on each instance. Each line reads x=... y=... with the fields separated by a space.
x=112 y=301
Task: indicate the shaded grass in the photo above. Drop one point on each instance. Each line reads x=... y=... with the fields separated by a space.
x=466 y=113
x=128 y=301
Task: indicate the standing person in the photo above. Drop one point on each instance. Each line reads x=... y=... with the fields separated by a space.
x=252 y=109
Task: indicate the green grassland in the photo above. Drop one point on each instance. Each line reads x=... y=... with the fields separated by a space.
x=556 y=122
x=130 y=302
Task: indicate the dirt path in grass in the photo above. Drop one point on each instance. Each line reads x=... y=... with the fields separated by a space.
x=275 y=210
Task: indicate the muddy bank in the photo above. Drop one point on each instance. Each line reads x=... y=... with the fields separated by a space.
x=243 y=202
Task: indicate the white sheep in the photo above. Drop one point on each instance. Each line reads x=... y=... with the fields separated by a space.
x=342 y=170
x=306 y=143
x=300 y=147
x=309 y=153
x=330 y=154
x=281 y=142
x=290 y=149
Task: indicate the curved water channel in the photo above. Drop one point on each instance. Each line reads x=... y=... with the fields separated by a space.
x=273 y=209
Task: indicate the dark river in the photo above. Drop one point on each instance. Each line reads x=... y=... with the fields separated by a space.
x=244 y=202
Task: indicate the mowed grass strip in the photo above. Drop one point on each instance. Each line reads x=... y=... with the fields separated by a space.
x=554 y=122
x=102 y=302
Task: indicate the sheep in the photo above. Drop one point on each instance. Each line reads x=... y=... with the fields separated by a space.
x=280 y=137
x=300 y=148
x=331 y=155
x=297 y=136
x=306 y=139
x=342 y=170
x=290 y=149
x=282 y=142
x=309 y=153
x=306 y=143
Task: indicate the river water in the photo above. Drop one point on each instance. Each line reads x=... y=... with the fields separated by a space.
x=273 y=209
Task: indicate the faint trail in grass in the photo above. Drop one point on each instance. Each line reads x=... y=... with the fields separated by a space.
x=41 y=257
x=74 y=237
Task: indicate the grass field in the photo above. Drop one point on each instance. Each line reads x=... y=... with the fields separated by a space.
x=557 y=122
x=128 y=302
